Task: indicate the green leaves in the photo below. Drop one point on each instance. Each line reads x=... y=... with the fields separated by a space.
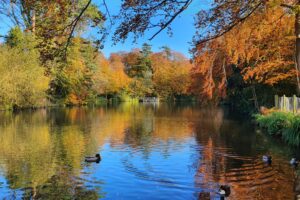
x=22 y=80
x=292 y=134
x=282 y=124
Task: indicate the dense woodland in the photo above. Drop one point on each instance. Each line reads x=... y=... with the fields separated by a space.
x=88 y=76
x=247 y=54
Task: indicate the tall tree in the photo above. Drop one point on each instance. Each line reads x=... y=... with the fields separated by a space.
x=52 y=22
x=141 y=71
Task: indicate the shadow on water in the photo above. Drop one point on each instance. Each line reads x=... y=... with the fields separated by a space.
x=149 y=151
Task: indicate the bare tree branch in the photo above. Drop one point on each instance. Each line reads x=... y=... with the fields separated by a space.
x=108 y=13
x=187 y=3
x=231 y=26
x=287 y=6
x=74 y=24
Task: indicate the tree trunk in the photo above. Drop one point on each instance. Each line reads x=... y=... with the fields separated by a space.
x=255 y=97
x=33 y=21
x=297 y=53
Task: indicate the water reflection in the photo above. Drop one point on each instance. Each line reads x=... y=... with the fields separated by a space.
x=148 y=151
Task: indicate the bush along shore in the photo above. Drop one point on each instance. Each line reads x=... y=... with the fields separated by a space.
x=281 y=124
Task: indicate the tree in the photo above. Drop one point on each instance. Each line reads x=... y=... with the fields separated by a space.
x=170 y=76
x=15 y=37
x=73 y=81
x=52 y=22
x=259 y=51
x=209 y=75
x=110 y=78
x=221 y=17
x=139 y=16
x=167 y=51
x=22 y=80
x=118 y=70
x=139 y=67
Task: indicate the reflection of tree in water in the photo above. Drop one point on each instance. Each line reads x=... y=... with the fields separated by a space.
x=139 y=133
x=229 y=155
x=37 y=145
x=33 y=154
x=43 y=151
x=61 y=186
x=158 y=127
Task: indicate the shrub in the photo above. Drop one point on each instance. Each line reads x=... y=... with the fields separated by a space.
x=292 y=133
x=22 y=80
x=281 y=123
x=275 y=122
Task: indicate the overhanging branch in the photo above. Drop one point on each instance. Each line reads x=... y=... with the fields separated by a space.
x=287 y=6
x=165 y=25
x=231 y=26
x=74 y=24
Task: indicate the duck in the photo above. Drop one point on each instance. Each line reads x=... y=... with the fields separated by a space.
x=267 y=159
x=294 y=162
x=224 y=191
x=96 y=158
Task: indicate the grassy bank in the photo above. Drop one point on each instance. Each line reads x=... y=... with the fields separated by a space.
x=282 y=124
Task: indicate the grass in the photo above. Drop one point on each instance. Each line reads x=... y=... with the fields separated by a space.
x=292 y=134
x=286 y=125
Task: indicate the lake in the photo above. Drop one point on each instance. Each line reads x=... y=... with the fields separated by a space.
x=148 y=152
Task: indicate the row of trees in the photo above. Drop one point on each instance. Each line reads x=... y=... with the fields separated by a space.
x=251 y=63
x=246 y=54
x=245 y=51
x=86 y=74
x=134 y=74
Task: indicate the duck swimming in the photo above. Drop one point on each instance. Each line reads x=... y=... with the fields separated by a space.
x=224 y=191
x=96 y=159
x=294 y=162
x=267 y=159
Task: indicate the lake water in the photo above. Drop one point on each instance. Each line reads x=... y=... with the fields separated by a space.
x=148 y=152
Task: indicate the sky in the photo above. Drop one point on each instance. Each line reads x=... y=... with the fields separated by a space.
x=182 y=27
x=180 y=41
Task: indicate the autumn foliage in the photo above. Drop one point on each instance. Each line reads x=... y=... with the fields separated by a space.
x=261 y=49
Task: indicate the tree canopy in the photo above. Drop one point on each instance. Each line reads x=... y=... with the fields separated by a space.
x=250 y=44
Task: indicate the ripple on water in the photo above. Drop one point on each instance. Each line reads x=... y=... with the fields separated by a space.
x=252 y=179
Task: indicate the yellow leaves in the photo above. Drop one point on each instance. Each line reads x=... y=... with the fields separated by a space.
x=170 y=76
x=75 y=147
x=110 y=76
x=31 y=147
x=22 y=83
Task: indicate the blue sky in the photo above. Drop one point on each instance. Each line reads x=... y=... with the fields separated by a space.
x=182 y=27
x=183 y=31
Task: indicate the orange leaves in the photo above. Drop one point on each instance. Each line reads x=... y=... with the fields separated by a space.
x=209 y=76
x=266 y=44
x=270 y=73
x=171 y=74
x=262 y=47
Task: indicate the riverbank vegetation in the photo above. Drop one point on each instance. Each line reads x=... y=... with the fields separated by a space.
x=282 y=124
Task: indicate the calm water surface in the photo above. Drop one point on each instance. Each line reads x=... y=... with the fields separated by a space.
x=148 y=152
